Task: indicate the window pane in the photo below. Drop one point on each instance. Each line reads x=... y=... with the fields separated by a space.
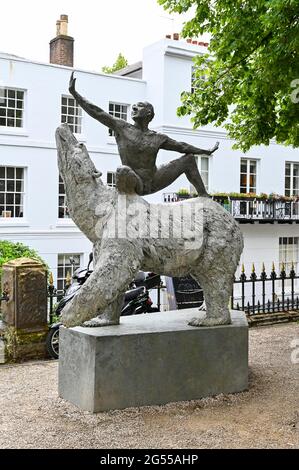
x=252 y=180
x=10 y=185
x=19 y=173
x=69 y=109
x=10 y=173
x=11 y=199
x=252 y=167
x=204 y=164
x=243 y=166
x=243 y=180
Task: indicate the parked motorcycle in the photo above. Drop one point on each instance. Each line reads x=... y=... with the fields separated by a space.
x=136 y=301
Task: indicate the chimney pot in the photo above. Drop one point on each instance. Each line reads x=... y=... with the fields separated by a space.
x=176 y=36
x=62 y=46
x=194 y=42
x=63 y=25
x=168 y=36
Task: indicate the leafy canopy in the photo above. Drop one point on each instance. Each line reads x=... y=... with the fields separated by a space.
x=251 y=84
x=120 y=63
x=10 y=251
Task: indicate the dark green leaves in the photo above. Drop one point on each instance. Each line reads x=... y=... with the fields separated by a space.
x=248 y=87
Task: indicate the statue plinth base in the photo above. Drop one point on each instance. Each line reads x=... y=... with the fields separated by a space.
x=152 y=359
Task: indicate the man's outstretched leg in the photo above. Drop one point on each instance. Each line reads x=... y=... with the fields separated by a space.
x=168 y=173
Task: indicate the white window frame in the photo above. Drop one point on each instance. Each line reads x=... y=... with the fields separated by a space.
x=205 y=174
x=289 y=256
x=67 y=268
x=112 y=183
x=23 y=118
x=249 y=189
x=290 y=191
x=62 y=194
x=118 y=114
x=22 y=193
x=75 y=128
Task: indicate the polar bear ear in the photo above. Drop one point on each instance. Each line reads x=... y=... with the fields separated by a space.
x=97 y=174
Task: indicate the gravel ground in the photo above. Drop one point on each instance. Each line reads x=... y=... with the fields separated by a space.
x=265 y=416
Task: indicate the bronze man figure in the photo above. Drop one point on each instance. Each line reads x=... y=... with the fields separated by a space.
x=138 y=148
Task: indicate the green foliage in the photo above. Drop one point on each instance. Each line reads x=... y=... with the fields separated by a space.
x=251 y=84
x=262 y=196
x=183 y=192
x=10 y=251
x=120 y=63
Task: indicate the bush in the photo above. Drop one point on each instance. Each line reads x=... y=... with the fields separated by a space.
x=10 y=251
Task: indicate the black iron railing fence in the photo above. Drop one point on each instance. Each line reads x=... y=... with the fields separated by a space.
x=152 y=282
x=254 y=294
x=54 y=295
x=276 y=292
x=261 y=210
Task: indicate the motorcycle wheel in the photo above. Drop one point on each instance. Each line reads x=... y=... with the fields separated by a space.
x=52 y=342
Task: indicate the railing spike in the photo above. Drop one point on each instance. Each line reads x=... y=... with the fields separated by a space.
x=68 y=278
x=283 y=266
x=51 y=280
x=243 y=268
x=273 y=267
x=253 y=268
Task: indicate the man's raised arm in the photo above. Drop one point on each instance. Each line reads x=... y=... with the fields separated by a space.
x=94 y=111
x=182 y=147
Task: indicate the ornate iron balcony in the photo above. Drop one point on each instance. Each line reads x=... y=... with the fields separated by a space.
x=249 y=210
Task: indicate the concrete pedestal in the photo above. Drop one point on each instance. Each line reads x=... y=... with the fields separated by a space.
x=152 y=359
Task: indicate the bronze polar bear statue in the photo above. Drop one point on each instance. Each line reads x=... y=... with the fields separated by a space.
x=196 y=237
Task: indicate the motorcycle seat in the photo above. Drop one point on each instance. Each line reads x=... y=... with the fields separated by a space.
x=132 y=294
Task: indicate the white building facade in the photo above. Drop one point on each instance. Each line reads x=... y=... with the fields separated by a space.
x=34 y=100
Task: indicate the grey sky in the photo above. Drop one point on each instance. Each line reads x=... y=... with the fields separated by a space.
x=101 y=28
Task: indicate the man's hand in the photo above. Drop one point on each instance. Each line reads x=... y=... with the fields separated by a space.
x=216 y=146
x=72 y=84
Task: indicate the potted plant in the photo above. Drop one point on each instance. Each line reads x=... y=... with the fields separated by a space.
x=183 y=193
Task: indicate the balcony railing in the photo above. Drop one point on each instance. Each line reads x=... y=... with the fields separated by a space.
x=251 y=209
x=261 y=209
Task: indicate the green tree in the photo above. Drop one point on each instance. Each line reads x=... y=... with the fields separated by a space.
x=120 y=63
x=251 y=84
x=10 y=251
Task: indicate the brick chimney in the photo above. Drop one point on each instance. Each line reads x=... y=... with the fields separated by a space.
x=62 y=46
